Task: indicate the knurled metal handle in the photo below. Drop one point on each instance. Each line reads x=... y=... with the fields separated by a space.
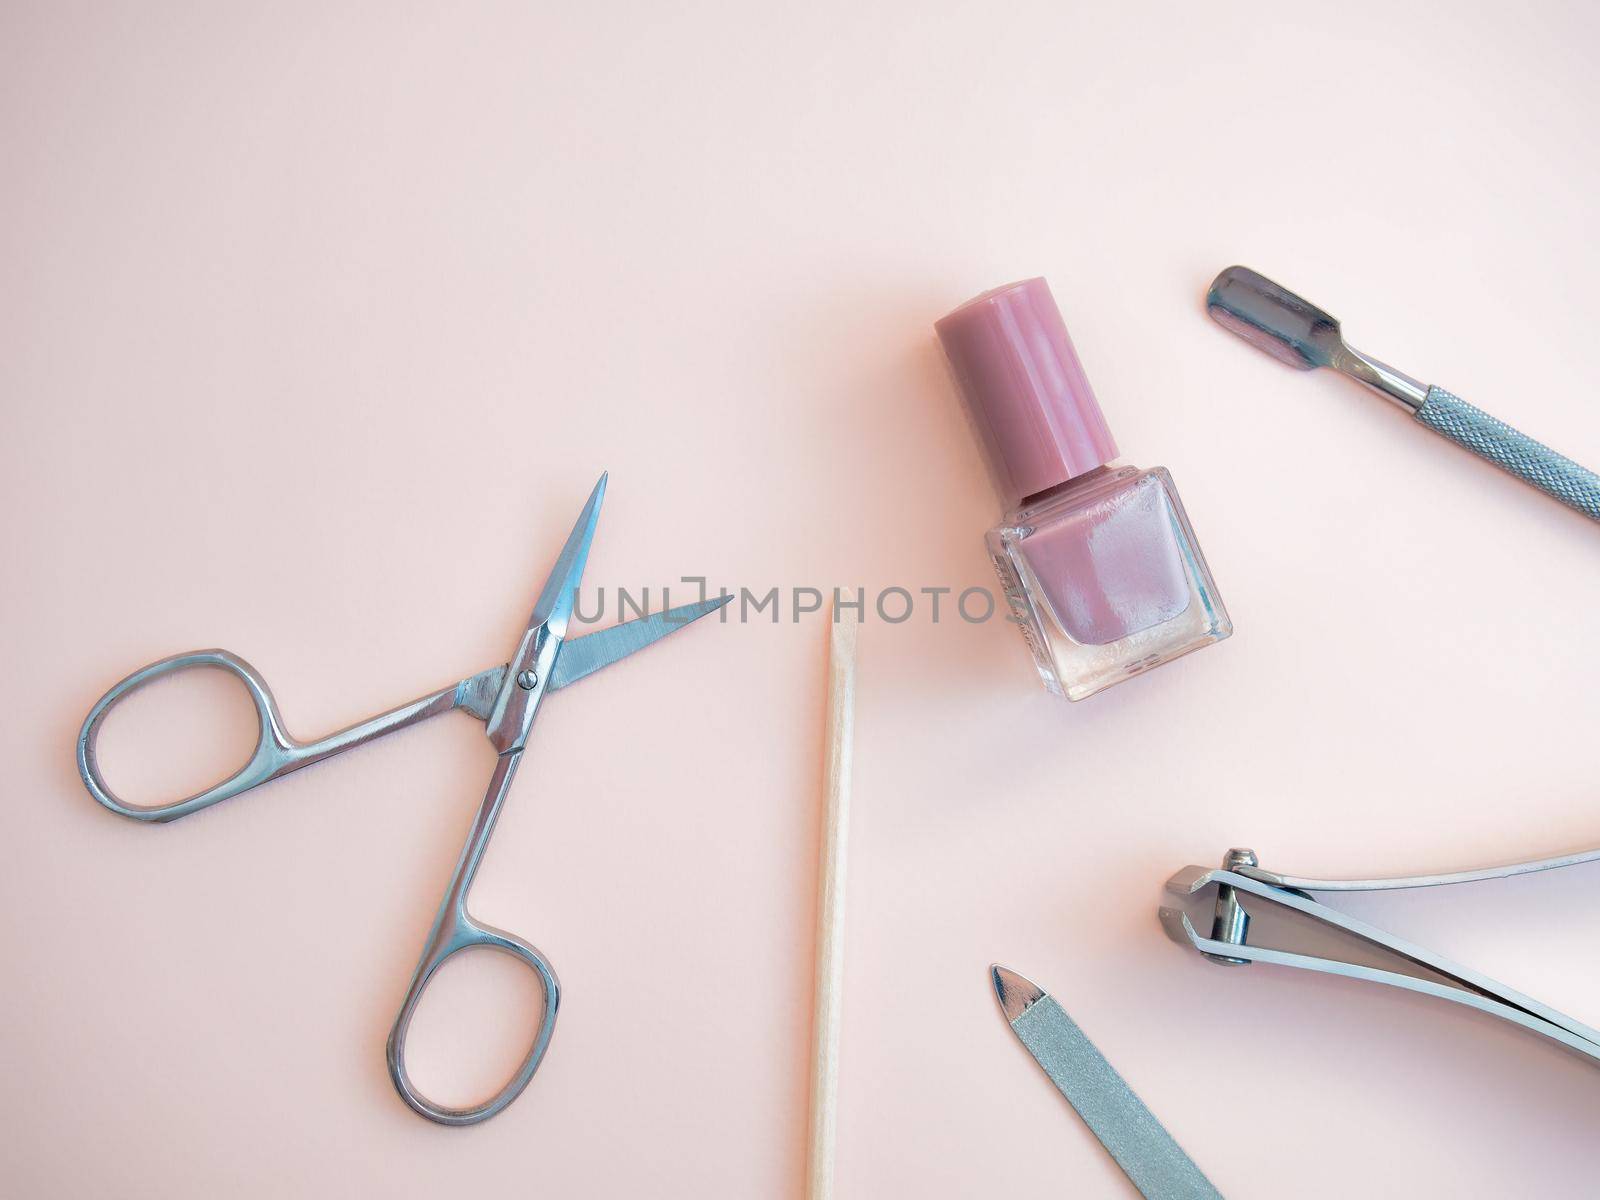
x=1516 y=453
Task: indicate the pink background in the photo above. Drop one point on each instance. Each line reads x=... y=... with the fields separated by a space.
x=320 y=320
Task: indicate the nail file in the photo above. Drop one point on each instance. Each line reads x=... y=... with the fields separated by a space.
x=1142 y=1147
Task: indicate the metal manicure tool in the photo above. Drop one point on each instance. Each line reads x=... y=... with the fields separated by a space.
x=506 y=698
x=1300 y=334
x=1128 y=1130
x=1242 y=878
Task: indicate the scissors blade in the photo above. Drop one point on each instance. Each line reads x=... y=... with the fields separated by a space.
x=585 y=655
x=523 y=686
x=554 y=607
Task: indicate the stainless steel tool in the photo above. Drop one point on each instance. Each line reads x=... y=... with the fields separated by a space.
x=1298 y=333
x=506 y=698
x=1128 y=1130
x=1241 y=882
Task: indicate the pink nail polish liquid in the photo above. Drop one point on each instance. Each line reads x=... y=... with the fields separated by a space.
x=1098 y=561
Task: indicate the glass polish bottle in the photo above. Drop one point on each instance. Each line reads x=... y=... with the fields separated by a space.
x=1098 y=562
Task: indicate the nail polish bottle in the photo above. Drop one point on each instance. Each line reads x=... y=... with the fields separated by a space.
x=1097 y=560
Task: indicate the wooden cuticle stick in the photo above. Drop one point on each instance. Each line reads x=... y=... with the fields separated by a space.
x=827 y=1004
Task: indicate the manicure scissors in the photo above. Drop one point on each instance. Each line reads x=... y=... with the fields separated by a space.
x=507 y=699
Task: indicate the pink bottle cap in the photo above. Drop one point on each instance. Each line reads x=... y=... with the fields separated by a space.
x=1026 y=388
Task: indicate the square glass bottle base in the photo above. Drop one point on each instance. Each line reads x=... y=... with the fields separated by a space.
x=1105 y=580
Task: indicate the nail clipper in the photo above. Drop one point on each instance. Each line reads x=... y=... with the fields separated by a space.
x=1242 y=877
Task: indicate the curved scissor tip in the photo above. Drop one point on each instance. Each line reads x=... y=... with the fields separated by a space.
x=1016 y=993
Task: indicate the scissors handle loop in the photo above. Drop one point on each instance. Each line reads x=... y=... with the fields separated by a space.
x=455 y=930
x=464 y=933
x=275 y=753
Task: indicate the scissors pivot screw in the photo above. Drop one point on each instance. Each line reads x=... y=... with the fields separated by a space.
x=527 y=680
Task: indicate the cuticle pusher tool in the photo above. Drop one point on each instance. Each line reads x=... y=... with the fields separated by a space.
x=1294 y=331
x=1241 y=878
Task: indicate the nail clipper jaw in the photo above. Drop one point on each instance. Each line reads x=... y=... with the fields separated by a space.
x=1176 y=925
x=1230 y=922
x=1187 y=885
